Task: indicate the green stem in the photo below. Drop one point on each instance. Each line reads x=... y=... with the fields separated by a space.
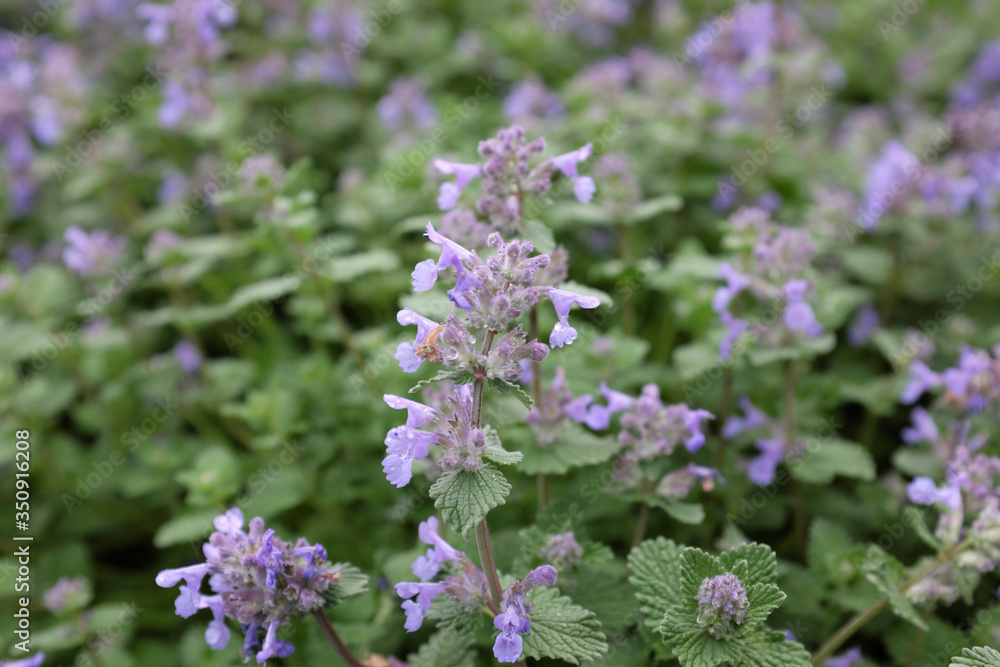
x=334 y=640
x=640 y=524
x=856 y=623
x=536 y=395
x=482 y=530
x=625 y=252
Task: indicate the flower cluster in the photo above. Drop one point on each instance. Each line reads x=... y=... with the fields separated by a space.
x=406 y=110
x=773 y=270
x=93 y=254
x=972 y=385
x=722 y=604
x=188 y=32
x=562 y=550
x=466 y=584
x=508 y=177
x=257 y=579
x=557 y=404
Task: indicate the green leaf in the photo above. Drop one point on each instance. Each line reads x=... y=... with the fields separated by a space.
x=829 y=458
x=346 y=269
x=447 y=648
x=915 y=517
x=651 y=208
x=539 y=235
x=465 y=497
x=655 y=567
x=762 y=647
x=690 y=513
x=803 y=349
x=576 y=447
x=185 y=528
x=886 y=572
x=507 y=388
x=762 y=563
x=495 y=451
x=696 y=566
x=562 y=630
x=763 y=599
x=349 y=582
x=456 y=377
x=697 y=648
x=980 y=656
x=453 y=615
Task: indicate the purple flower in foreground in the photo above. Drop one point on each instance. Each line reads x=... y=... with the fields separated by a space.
x=583 y=186
x=428 y=565
x=405 y=444
x=562 y=332
x=91 y=254
x=514 y=617
x=722 y=604
x=411 y=356
x=425 y=594
x=259 y=580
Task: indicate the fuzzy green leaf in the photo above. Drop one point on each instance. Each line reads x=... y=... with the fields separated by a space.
x=762 y=563
x=762 y=647
x=562 y=630
x=465 y=497
x=506 y=388
x=495 y=451
x=351 y=582
x=447 y=648
x=656 y=574
x=576 y=447
x=885 y=572
x=696 y=566
x=980 y=656
x=455 y=377
x=762 y=599
x=697 y=648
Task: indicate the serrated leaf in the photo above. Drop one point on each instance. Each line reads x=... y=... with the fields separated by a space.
x=507 y=388
x=350 y=581
x=455 y=377
x=980 y=656
x=762 y=562
x=696 y=648
x=447 y=648
x=576 y=447
x=562 y=630
x=454 y=616
x=831 y=458
x=495 y=451
x=762 y=647
x=655 y=567
x=885 y=573
x=762 y=600
x=465 y=497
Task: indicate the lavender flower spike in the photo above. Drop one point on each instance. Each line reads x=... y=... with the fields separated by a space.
x=722 y=604
x=583 y=186
x=562 y=332
x=450 y=192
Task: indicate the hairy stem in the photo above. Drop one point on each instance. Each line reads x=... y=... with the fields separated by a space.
x=334 y=640
x=640 y=524
x=482 y=530
x=856 y=623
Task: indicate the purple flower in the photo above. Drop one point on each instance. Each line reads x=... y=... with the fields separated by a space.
x=406 y=105
x=507 y=647
x=722 y=604
x=428 y=565
x=846 y=659
x=450 y=192
x=425 y=594
x=91 y=254
x=34 y=661
x=67 y=594
x=157 y=31
x=176 y=102
x=562 y=549
x=405 y=444
x=921 y=379
x=274 y=647
x=188 y=356
x=888 y=177
x=799 y=315
x=411 y=356
x=270 y=557
x=562 y=332
x=692 y=421
x=736 y=282
x=532 y=99
x=922 y=491
x=866 y=323
x=923 y=430
x=583 y=186
x=761 y=469
x=452 y=254
x=162 y=241
x=753 y=418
